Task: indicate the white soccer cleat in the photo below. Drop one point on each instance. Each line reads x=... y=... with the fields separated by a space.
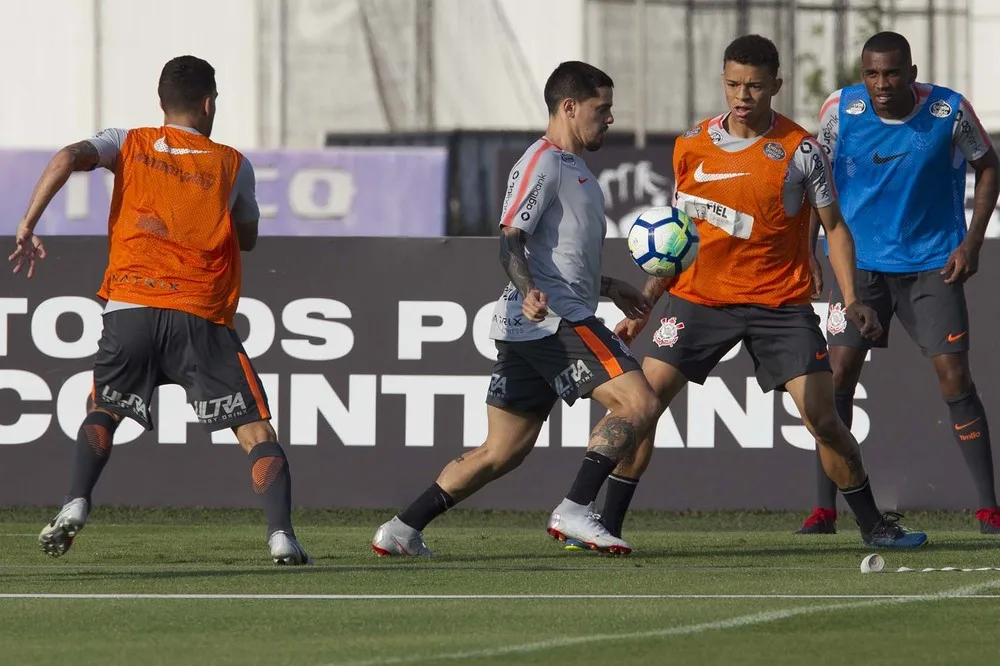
x=397 y=538
x=56 y=537
x=286 y=550
x=583 y=528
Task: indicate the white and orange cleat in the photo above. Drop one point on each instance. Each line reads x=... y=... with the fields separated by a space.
x=572 y=522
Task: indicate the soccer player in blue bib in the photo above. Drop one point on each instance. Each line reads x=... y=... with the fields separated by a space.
x=899 y=150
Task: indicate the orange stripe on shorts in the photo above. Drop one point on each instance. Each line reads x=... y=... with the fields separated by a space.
x=600 y=350
x=254 y=387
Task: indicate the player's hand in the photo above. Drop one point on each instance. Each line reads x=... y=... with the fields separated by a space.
x=629 y=329
x=536 y=305
x=865 y=319
x=28 y=250
x=817 y=278
x=962 y=264
x=629 y=300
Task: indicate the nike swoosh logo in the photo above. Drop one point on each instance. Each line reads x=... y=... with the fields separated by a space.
x=955 y=338
x=882 y=160
x=966 y=425
x=583 y=180
x=161 y=147
x=702 y=177
x=821 y=355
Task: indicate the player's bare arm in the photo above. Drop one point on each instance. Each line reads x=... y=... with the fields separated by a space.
x=80 y=156
x=841 y=244
x=964 y=261
x=515 y=263
x=629 y=300
x=628 y=329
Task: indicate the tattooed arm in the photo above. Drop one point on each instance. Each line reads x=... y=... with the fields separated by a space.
x=80 y=156
x=513 y=259
x=534 y=302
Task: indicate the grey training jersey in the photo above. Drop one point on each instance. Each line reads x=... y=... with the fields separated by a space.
x=554 y=198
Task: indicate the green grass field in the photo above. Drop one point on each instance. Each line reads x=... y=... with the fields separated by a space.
x=701 y=589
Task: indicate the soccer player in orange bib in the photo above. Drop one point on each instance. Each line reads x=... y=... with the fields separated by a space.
x=749 y=179
x=182 y=209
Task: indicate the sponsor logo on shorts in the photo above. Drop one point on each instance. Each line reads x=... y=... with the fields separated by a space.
x=774 y=150
x=498 y=386
x=856 y=108
x=575 y=375
x=694 y=131
x=508 y=322
x=836 y=319
x=667 y=334
x=127 y=401
x=820 y=355
x=941 y=109
x=625 y=349
x=953 y=337
x=220 y=409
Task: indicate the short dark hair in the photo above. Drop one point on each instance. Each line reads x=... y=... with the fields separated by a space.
x=887 y=42
x=755 y=51
x=574 y=80
x=185 y=82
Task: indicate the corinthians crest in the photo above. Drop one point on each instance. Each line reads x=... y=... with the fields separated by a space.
x=666 y=334
x=836 y=320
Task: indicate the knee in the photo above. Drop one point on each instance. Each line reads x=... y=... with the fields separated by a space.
x=498 y=457
x=954 y=379
x=643 y=409
x=844 y=376
x=825 y=425
x=250 y=435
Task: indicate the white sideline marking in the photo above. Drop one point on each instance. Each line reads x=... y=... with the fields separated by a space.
x=958 y=594
x=730 y=623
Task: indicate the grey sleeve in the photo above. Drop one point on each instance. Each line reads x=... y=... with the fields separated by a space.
x=243 y=199
x=829 y=121
x=811 y=167
x=531 y=188
x=108 y=143
x=969 y=136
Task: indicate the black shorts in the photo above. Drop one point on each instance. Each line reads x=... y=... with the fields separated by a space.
x=933 y=314
x=784 y=342
x=530 y=376
x=142 y=348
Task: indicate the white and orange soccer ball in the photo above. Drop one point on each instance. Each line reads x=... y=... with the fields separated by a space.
x=663 y=241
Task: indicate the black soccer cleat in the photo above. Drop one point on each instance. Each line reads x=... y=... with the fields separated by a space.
x=888 y=533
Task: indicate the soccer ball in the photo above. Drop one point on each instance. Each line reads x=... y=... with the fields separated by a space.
x=663 y=241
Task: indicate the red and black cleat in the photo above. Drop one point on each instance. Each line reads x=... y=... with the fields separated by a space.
x=821 y=521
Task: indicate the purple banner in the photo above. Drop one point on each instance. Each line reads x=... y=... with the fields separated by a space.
x=333 y=192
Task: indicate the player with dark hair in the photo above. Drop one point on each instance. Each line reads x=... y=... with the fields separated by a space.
x=550 y=345
x=182 y=209
x=900 y=151
x=749 y=178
